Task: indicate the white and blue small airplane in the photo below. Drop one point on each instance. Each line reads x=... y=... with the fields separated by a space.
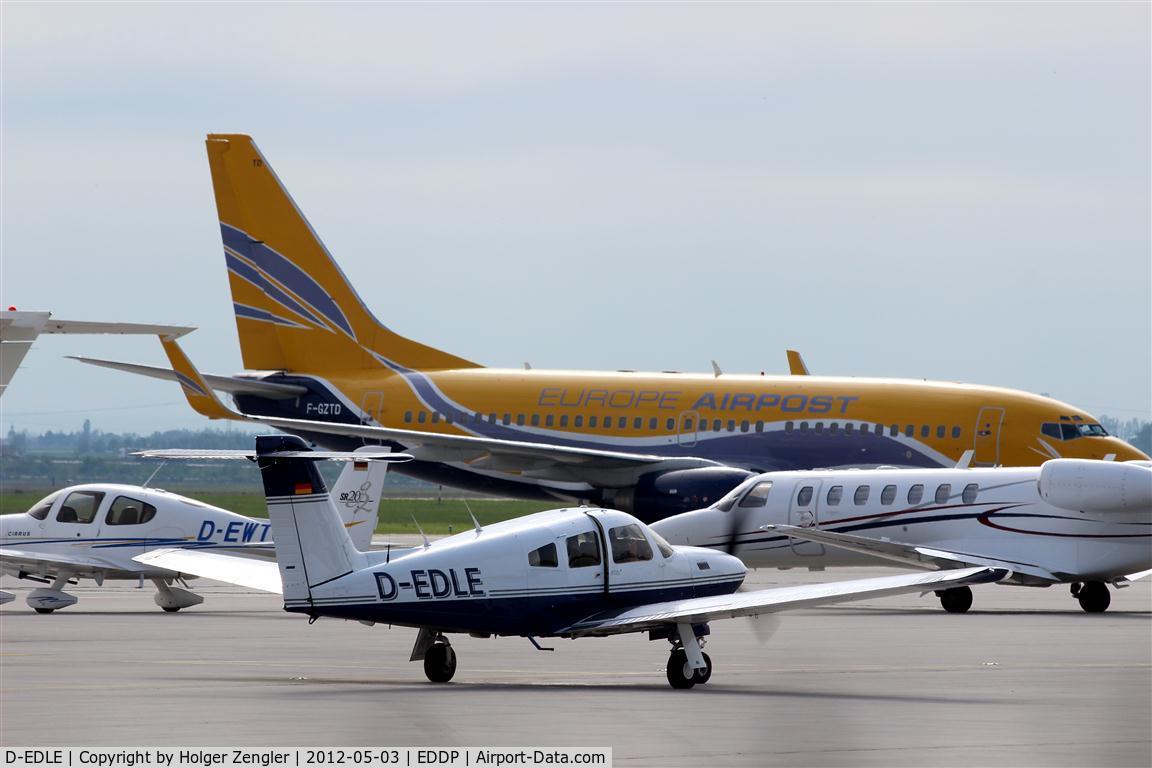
x=1081 y=522
x=580 y=572
x=95 y=530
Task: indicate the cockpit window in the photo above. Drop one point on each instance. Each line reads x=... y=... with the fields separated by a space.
x=758 y=496
x=1072 y=431
x=80 y=507
x=583 y=550
x=729 y=499
x=628 y=544
x=543 y=557
x=127 y=511
x=662 y=545
x=40 y=509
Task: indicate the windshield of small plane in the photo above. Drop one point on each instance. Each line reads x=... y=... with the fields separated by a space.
x=40 y=509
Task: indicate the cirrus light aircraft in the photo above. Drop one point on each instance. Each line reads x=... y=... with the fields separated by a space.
x=1070 y=521
x=581 y=572
x=320 y=365
x=95 y=530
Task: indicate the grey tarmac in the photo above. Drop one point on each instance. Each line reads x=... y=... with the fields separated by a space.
x=1024 y=679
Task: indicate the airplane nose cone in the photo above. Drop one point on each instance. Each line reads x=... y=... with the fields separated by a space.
x=693 y=529
x=1124 y=451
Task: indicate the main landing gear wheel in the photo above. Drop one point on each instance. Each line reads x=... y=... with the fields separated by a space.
x=681 y=676
x=955 y=600
x=170 y=608
x=43 y=610
x=1094 y=596
x=440 y=663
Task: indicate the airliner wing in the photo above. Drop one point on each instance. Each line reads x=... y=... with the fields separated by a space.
x=263 y=575
x=910 y=554
x=700 y=610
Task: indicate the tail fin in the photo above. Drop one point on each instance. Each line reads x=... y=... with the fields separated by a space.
x=356 y=496
x=312 y=545
x=295 y=310
x=200 y=395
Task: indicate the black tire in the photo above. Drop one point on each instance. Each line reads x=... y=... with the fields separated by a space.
x=702 y=676
x=1094 y=597
x=956 y=600
x=440 y=663
x=170 y=608
x=679 y=675
x=45 y=611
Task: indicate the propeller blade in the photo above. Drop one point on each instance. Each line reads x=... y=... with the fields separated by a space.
x=765 y=625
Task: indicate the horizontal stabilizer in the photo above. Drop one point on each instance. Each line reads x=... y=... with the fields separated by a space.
x=233 y=569
x=234 y=385
x=240 y=453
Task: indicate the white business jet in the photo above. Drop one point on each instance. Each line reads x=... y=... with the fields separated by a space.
x=1070 y=521
x=580 y=572
x=93 y=531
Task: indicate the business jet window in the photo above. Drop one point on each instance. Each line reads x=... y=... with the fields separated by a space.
x=943 y=491
x=758 y=496
x=126 y=511
x=804 y=498
x=544 y=557
x=835 y=493
x=583 y=550
x=916 y=494
x=860 y=498
x=40 y=509
x=970 y=491
x=628 y=544
x=79 y=507
x=888 y=495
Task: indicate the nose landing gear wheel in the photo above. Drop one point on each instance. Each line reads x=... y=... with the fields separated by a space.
x=440 y=663
x=1094 y=597
x=681 y=676
x=955 y=600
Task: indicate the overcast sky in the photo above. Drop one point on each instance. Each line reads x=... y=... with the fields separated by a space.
x=948 y=191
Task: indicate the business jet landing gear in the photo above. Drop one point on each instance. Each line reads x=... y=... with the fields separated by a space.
x=172 y=599
x=51 y=598
x=1094 y=596
x=688 y=665
x=955 y=600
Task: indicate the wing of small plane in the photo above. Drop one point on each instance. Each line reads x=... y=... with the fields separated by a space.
x=704 y=609
x=263 y=575
x=45 y=563
x=913 y=555
x=229 y=384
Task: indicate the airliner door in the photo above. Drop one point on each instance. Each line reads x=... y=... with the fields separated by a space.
x=686 y=428
x=986 y=441
x=804 y=512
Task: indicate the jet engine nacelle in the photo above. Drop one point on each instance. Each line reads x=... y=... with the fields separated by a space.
x=1084 y=485
x=658 y=495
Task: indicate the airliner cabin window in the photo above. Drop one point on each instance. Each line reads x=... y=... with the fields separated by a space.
x=758 y=496
x=804 y=498
x=543 y=557
x=861 y=495
x=79 y=507
x=583 y=550
x=916 y=494
x=955 y=433
x=40 y=509
x=835 y=493
x=628 y=544
x=970 y=491
x=940 y=430
x=888 y=495
x=943 y=491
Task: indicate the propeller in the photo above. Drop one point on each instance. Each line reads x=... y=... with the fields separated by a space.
x=765 y=625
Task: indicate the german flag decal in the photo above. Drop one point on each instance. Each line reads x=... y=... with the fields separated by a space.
x=302 y=488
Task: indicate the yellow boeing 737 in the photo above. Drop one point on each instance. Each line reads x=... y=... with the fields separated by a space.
x=320 y=365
